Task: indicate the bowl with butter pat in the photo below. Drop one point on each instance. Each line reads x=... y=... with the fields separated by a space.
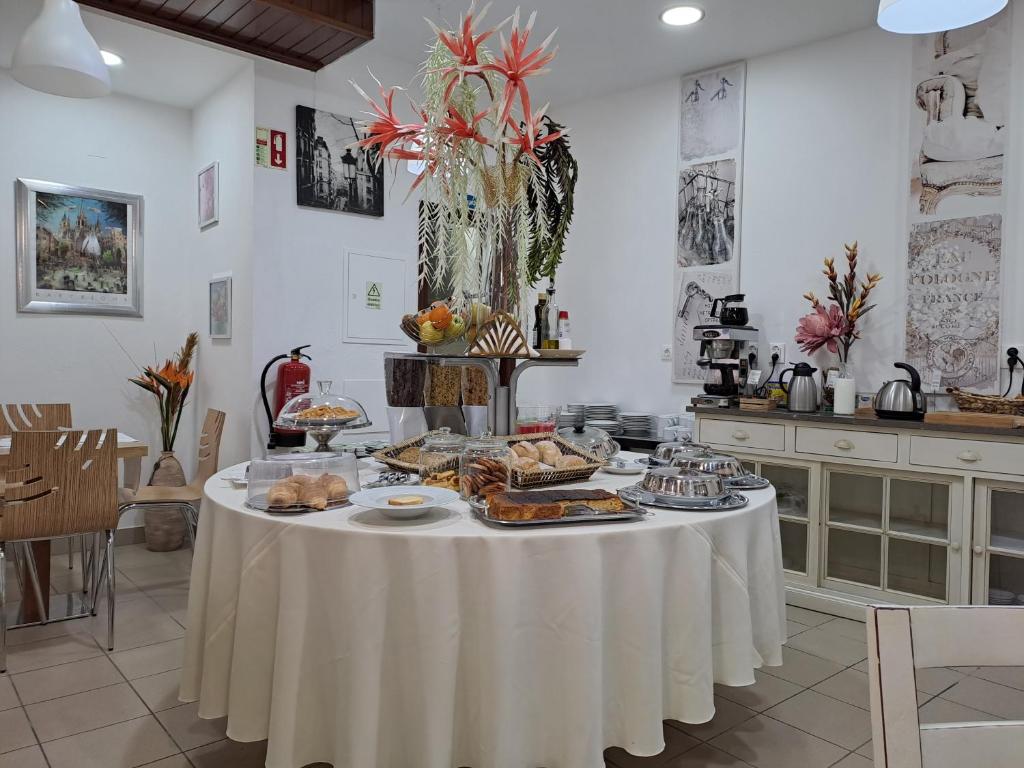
x=404 y=502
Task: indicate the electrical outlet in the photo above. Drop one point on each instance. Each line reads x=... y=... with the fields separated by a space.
x=753 y=349
x=666 y=352
x=777 y=348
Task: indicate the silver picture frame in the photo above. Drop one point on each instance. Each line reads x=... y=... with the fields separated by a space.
x=72 y=299
x=220 y=306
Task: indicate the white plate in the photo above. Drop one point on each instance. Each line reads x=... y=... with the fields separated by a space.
x=377 y=498
x=627 y=468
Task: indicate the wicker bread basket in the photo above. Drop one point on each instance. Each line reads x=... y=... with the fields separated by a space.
x=975 y=403
x=389 y=456
x=538 y=479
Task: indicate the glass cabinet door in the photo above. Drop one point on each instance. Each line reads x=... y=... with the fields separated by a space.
x=793 y=495
x=998 y=544
x=892 y=533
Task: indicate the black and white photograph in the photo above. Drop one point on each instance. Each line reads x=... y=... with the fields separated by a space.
x=330 y=172
x=706 y=228
x=711 y=116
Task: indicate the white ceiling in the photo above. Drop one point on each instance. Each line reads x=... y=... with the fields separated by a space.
x=158 y=66
x=608 y=45
x=604 y=45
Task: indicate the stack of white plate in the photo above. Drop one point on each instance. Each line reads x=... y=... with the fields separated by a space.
x=637 y=424
x=1000 y=596
x=567 y=416
x=601 y=412
x=611 y=426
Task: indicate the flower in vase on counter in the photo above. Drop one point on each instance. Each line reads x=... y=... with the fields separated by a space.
x=835 y=326
x=170 y=385
x=497 y=177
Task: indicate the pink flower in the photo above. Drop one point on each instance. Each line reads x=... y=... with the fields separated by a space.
x=822 y=328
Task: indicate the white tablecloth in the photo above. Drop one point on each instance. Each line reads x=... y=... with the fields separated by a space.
x=347 y=638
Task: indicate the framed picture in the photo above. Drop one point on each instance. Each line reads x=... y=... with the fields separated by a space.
x=209 y=195
x=330 y=172
x=79 y=250
x=220 y=307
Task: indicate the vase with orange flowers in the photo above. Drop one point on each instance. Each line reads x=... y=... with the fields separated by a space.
x=837 y=325
x=169 y=385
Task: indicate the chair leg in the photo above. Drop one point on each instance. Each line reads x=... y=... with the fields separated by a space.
x=81 y=549
x=3 y=609
x=96 y=566
x=30 y=563
x=111 y=589
x=71 y=553
x=186 y=514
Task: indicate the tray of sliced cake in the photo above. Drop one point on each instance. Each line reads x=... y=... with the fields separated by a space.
x=515 y=509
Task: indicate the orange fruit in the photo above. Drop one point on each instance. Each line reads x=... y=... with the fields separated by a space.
x=440 y=316
x=422 y=316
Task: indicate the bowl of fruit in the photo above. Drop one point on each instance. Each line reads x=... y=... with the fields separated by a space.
x=435 y=325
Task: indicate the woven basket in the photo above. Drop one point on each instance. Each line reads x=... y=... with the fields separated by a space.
x=975 y=403
x=389 y=456
x=538 y=479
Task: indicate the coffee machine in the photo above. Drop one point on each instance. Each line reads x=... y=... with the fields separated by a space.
x=723 y=353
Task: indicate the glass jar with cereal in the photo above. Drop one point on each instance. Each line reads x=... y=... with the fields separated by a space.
x=439 y=459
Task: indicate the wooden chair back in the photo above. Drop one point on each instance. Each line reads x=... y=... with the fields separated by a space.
x=33 y=416
x=902 y=640
x=59 y=484
x=209 y=447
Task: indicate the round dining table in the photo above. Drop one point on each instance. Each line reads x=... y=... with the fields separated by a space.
x=349 y=638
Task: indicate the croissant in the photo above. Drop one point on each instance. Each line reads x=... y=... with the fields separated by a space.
x=282 y=494
x=313 y=495
x=335 y=487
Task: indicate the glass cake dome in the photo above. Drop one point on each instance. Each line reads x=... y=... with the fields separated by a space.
x=322 y=415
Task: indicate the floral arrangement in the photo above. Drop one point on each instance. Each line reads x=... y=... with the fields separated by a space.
x=498 y=176
x=835 y=326
x=170 y=385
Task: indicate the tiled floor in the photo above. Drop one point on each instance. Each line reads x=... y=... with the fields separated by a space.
x=67 y=703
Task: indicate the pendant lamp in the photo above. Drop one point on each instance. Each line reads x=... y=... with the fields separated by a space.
x=58 y=55
x=918 y=17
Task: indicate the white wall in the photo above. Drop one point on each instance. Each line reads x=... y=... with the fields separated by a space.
x=222 y=130
x=120 y=144
x=299 y=252
x=826 y=159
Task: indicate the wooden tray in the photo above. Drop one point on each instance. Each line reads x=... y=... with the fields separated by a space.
x=970 y=419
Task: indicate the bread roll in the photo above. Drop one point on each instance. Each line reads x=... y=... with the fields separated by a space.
x=567 y=462
x=526 y=450
x=526 y=464
x=549 y=452
x=282 y=494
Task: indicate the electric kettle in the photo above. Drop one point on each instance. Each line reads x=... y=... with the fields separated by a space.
x=801 y=390
x=901 y=399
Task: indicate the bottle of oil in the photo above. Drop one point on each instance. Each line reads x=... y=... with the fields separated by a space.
x=541 y=321
x=550 y=340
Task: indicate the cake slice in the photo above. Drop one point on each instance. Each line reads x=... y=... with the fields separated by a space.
x=549 y=504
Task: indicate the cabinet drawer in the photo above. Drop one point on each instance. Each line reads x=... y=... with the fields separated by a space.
x=968 y=455
x=743 y=434
x=848 y=443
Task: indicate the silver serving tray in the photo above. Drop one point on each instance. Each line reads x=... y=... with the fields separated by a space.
x=636 y=495
x=259 y=503
x=576 y=514
x=746 y=483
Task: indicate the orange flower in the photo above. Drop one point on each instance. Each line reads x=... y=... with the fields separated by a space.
x=528 y=139
x=387 y=132
x=464 y=47
x=516 y=65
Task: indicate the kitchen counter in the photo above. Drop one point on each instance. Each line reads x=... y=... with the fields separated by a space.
x=857 y=420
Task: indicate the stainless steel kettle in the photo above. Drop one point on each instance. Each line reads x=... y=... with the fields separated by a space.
x=801 y=390
x=901 y=399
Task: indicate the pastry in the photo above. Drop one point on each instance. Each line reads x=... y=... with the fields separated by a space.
x=313 y=495
x=405 y=501
x=302 y=480
x=335 y=487
x=549 y=452
x=282 y=494
x=526 y=449
x=568 y=462
x=482 y=477
x=525 y=464
x=541 y=505
x=448 y=479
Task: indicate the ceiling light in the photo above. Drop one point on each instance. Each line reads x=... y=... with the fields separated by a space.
x=917 y=17
x=682 y=15
x=58 y=55
x=111 y=59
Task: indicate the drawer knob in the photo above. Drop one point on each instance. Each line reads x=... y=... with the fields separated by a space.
x=978 y=550
x=954 y=546
x=843 y=445
x=739 y=434
x=969 y=456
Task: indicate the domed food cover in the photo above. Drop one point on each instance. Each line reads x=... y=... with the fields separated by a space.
x=322 y=410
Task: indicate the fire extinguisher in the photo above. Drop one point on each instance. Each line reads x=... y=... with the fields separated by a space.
x=292 y=380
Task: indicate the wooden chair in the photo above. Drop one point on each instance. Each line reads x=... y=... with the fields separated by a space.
x=902 y=640
x=59 y=484
x=33 y=417
x=186 y=498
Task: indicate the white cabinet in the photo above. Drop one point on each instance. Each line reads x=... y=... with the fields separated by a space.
x=997 y=550
x=886 y=512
